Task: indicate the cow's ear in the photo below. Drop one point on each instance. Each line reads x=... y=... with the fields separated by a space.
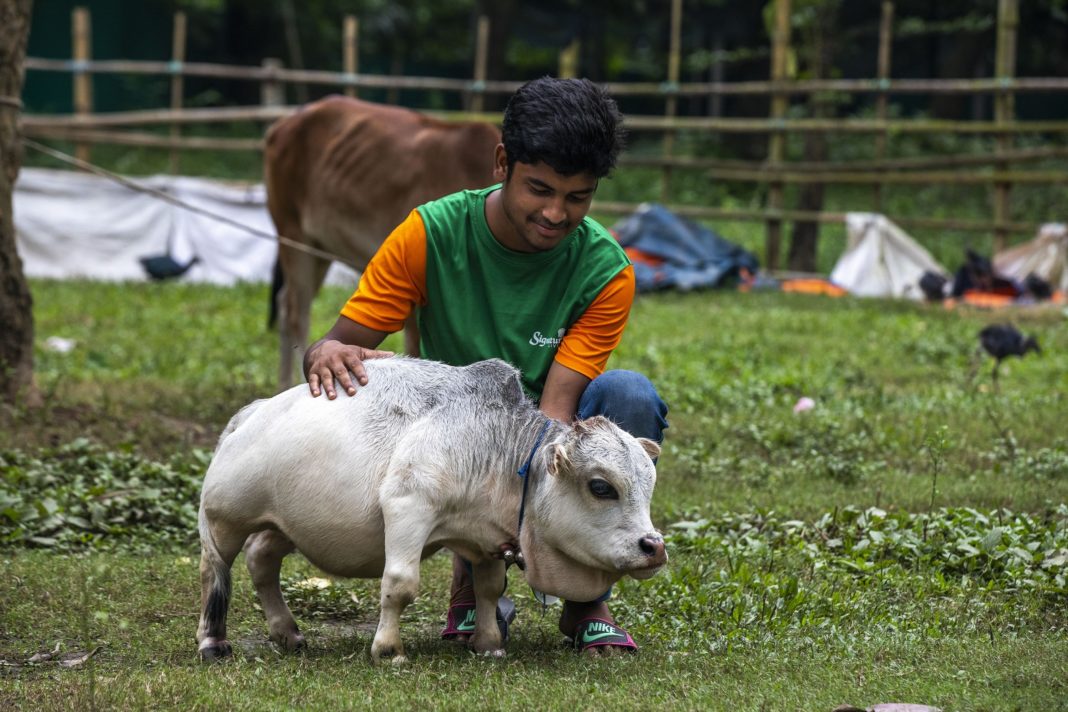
x=589 y=425
x=559 y=463
x=651 y=448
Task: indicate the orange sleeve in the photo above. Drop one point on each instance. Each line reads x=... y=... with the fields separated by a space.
x=394 y=281
x=590 y=340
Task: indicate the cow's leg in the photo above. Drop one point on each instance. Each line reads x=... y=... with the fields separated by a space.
x=303 y=274
x=264 y=552
x=219 y=547
x=488 y=584
x=408 y=523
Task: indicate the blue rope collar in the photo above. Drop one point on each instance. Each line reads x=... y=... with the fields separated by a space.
x=525 y=468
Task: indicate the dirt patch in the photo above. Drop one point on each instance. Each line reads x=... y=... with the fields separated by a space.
x=152 y=433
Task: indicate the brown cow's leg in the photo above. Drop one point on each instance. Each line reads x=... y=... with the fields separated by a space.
x=264 y=552
x=218 y=550
x=303 y=274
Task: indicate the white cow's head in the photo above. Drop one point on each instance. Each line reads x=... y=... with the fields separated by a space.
x=588 y=522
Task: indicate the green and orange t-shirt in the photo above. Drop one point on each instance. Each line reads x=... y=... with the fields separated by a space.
x=476 y=299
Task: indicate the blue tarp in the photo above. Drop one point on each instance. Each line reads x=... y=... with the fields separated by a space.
x=694 y=257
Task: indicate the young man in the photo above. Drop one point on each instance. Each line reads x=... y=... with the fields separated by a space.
x=518 y=272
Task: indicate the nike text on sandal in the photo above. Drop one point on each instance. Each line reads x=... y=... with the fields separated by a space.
x=461 y=618
x=595 y=633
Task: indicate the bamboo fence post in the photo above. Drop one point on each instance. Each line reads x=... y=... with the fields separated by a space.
x=886 y=30
x=296 y=53
x=1005 y=110
x=177 y=83
x=272 y=92
x=351 y=58
x=671 y=87
x=568 y=61
x=777 y=142
x=478 y=86
x=81 y=27
x=715 y=101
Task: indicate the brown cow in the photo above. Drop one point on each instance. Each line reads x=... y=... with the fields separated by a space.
x=341 y=174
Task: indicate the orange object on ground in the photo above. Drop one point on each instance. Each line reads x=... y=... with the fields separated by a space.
x=637 y=255
x=993 y=300
x=976 y=298
x=813 y=286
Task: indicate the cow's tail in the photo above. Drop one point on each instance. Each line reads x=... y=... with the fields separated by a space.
x=270 y=156
x=218 y=596
x=277 y=281
x=212 y=560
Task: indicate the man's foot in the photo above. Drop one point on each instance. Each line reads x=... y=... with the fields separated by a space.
x=592 y=629
x=460 y=621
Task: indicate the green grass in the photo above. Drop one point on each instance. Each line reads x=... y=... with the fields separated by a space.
x=906 y=540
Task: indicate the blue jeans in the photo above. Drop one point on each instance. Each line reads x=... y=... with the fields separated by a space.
x=630 y=400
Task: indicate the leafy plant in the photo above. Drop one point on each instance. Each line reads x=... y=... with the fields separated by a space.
x=81 y=495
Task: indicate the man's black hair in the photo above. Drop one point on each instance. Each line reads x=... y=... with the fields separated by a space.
x=572 y=125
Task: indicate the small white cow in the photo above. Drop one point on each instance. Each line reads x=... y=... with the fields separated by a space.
x=424 y=456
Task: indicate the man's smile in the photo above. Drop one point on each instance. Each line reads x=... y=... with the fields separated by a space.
x=550 y=231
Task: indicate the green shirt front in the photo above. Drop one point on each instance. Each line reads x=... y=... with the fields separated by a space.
x=484 y=300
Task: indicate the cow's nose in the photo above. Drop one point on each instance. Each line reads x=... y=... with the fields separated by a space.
x=653 y=547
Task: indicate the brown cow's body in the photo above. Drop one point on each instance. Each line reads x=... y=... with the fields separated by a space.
x=341 y=174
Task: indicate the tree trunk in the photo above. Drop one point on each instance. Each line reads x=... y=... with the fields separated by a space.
x=500 y=14
x=804 y=239
x=16 y=313
x=965 y=52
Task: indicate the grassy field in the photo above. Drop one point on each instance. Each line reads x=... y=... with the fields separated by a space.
x=905 y=540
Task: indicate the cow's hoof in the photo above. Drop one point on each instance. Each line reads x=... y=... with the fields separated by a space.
x=388 y=653
x=213 y=651
x=290 y=642
x=498 y=653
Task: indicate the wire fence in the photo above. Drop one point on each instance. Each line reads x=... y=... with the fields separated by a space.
x=998 y=170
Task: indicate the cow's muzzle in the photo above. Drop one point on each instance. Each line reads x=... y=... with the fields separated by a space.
x=653 y=556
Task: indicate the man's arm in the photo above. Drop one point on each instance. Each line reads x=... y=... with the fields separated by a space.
x=563 y=388
x=389 y=288
x=586 y=347
x=344 y=348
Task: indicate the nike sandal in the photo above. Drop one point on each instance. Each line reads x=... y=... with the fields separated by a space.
x=596 y=633
x=461 y=618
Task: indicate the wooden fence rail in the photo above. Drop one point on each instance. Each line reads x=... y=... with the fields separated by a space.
x=996 y=168
x=792 y=87
x=828 y=172
x=633 y=123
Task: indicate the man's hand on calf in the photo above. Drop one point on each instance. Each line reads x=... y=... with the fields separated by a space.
x=333 y=363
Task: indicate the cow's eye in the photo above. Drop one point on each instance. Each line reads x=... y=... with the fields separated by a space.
x=603 y=490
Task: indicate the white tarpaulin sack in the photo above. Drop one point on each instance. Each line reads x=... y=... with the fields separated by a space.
x=881 y=260
x=71 y=225
x=1046 y=256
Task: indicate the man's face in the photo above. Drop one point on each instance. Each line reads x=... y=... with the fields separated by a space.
x=538 y=207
